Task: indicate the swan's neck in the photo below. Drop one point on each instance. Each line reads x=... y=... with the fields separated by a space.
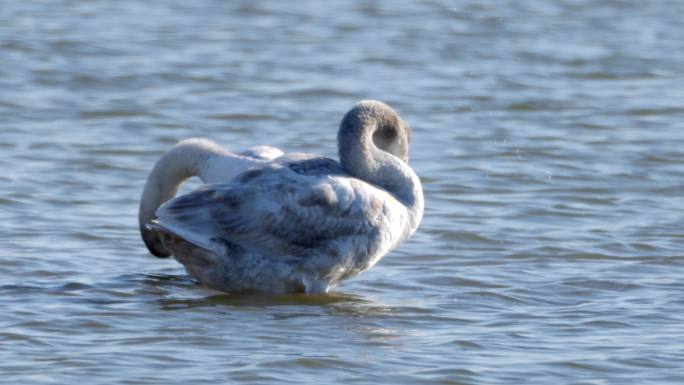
x=360 y=157
x=187 y=159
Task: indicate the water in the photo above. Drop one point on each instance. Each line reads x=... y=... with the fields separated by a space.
x=549 y=138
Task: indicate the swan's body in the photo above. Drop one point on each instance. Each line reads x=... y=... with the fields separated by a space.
x=277 y=223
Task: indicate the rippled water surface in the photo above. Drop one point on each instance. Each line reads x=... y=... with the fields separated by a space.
x=549 y=137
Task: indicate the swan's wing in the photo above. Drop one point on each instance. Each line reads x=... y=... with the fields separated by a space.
x=288 y=211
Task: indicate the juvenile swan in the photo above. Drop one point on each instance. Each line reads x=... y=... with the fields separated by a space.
x=278 y=223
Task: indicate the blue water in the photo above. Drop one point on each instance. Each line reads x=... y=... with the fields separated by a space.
x=549 y=138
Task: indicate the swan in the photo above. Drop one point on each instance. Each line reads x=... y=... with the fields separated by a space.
x=274 y=223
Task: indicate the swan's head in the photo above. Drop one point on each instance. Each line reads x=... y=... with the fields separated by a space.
x=389 y=132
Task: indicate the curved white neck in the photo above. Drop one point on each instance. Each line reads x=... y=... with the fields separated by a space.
x=360 y=157
x=189 y=158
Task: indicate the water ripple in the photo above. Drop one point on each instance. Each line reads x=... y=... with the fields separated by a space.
x=547 y=136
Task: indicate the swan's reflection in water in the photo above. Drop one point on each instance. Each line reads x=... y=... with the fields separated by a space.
x=360 y=317
x=264 y=300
